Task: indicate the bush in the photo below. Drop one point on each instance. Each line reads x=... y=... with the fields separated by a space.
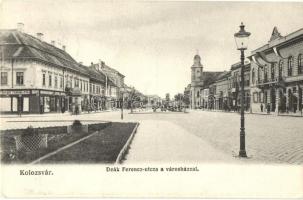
x=29 y=130
x=76 y=123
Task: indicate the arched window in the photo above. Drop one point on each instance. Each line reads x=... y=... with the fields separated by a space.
x=253 y=76
x=290 y=66
x=300 y=64
x=272 y=71
x=259 y=74
x=280 y=68
x=265 y=73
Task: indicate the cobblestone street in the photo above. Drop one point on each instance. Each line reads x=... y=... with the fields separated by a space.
x=197 y=136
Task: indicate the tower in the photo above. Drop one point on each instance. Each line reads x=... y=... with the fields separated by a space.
x=196 y=81
x=197 y=72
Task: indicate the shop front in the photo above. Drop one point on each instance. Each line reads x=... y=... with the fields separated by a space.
x=31 y=101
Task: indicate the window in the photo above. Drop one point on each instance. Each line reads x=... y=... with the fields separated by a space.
x=49 y=80
x=43 y=79
x=3 y=78
x=56 y=82
x=61 y=82
x=76 y=82
x=290 y=66
x=272 y=71
x=300 y=64
x=280 y=69
x=265 y=73
x=253 y=76
x=259 y=74
x=19 y=78
x=198 y=94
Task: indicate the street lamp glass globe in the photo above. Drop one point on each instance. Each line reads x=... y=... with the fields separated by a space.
x=241 y=38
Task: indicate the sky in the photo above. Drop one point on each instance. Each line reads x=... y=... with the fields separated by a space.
x=152 y=42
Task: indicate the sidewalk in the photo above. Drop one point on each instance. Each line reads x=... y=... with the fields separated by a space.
x=53 y=114
x=298 y=114
x=163 y=141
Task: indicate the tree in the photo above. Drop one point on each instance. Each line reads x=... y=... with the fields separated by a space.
x=167 y=99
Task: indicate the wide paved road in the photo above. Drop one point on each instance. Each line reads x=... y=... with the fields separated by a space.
x=197 y=136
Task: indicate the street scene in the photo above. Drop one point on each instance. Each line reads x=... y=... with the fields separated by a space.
x=196 y=136
x=131 y=87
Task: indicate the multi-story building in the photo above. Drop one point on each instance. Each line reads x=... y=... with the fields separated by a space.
x=38 y=77
x=221 y=91
x=115 y=88
x=277 y=73
x=235 y=86
x=153 y=100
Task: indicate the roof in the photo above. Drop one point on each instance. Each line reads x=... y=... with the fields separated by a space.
x=279 y=40
x=238 y=65
x=223 y=76
x=20 y=45
x=210 y=77
x=96 y=75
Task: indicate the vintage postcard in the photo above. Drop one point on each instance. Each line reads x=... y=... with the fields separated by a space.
x=151 y=99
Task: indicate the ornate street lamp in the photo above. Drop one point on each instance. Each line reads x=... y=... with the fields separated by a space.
x=241 y=39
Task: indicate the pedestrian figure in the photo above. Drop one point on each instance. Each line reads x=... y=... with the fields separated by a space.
x=261 y=107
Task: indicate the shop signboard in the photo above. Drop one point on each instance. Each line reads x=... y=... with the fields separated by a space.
x=14 y=92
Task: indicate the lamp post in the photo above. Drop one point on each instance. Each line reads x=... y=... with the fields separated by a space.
x=241 y=39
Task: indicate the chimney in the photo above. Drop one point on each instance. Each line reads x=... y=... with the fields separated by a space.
x=63 y=47
x=20 y=26
x=40 y=36
x=81 y=63
x=53 y=42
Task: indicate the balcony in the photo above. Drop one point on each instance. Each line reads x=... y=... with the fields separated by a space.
x=277 y=81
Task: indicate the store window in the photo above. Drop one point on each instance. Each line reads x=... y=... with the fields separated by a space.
x=290 y=65
x=3 y=78
x=19 y=78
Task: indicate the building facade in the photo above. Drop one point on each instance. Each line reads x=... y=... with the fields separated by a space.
x=41 y=77
x=277 y=74
x=38 y=77
x=235 y=87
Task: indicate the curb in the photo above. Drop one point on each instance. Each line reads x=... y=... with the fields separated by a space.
x=126 y=145
x=62 y=148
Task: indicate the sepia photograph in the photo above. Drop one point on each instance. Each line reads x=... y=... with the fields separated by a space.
x=151 y=99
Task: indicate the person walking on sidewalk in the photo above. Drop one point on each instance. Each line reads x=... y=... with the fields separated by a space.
x=261 y=106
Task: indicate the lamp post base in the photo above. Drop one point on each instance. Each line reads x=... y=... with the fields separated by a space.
x=242 y=153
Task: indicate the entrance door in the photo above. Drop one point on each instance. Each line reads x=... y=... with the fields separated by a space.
x=20 y=104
